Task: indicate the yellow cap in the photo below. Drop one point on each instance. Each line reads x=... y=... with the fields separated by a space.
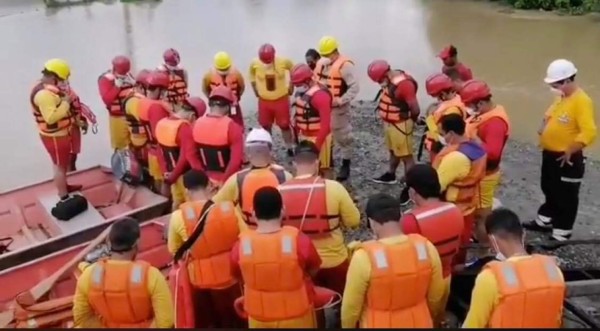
x=58 y=67
x=327 y=45
x=222 y=61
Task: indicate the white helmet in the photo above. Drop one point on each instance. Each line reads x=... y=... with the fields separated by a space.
x=558 y=70
x=260 y=136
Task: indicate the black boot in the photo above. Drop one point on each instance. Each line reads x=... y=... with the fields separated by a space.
x=344 y=172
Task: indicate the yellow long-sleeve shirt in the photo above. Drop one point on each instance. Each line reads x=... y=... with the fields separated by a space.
x=453 y=167
x=279 y=71
x=359 y=275
x=485 y=298
x=208 y=78
x=131 y=109
x=53 y=109
x=569 y=120
x=162 y=302
x=333 y=250
x=230 y=190
x=432 y=126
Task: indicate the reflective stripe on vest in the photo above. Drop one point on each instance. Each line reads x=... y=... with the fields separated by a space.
x=333 y=79
x=230 y=80
x=286 y=245
x=381 y=260
x=510 y=275
x=178 y=89
x=135 y=278
x=211 y=135
x=306 y=117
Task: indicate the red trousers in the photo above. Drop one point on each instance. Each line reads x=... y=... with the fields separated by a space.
x=274 y=111
x=238 y=117
x=59 y=149
x=214 y=308
x=333 y=278
x=465 y=239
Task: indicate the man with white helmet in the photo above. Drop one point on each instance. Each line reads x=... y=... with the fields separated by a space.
x=568 y=127
x=240 y=187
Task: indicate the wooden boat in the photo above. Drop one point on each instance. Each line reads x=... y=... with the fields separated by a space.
x=29 y=231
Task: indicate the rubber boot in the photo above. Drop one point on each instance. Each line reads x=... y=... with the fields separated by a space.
x=73 y=165
x=344 y=172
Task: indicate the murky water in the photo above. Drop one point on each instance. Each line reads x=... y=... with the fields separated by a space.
x=510 y=51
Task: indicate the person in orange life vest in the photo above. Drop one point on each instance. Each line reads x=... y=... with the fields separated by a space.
x=224 y=73
x=490 y=126
x=178 y=77
x=51 y=108
x=319 y=208
x=269 y=77
x=312 y=57
x=312 y=115
x=114 y=86
x=398 y=108
x=174 y=136
x=208 y=259
x=520 y=291
x=460 y=166
x=219 y=140
x=453 y=68
x=241 y=186
x=438 y=221
x=120 y=291
x=394 y=281
x=275 y=264
x=137 y=132
x=448 y=100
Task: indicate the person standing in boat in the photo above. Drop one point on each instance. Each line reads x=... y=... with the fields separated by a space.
x=122 y=292
x=52 y=111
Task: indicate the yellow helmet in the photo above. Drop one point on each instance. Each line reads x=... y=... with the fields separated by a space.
x=327 y=45
x=58 y=67
x=222 y=61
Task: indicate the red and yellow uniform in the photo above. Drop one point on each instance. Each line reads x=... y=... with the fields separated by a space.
x=276 y=269
x=113 y=97
x=452 y=106
x=395 y=109
x=394 y=282
x=122 y=294
x=150 y=113
x=137 y=132
x=235 y=81
x=520 y=293
x=312 y=121
x=177 y=91
x=330 y=206
x=493 y=129
x=273 y=89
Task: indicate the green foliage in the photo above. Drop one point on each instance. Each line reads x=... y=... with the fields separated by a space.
x=571 y=6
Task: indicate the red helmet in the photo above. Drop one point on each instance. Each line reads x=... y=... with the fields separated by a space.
x=121 y=65
x=171 y=57
x=300 y=74
x=197 y=104
x=159 y=79
x=437 y=83
x=223 y=92
x=266 y=53
x=142 y=77
x=474 y=90
x=377 y=70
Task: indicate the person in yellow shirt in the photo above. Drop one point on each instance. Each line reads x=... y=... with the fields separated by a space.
x=108 y=289
x=320 y=207
x=461 y=166
x=520 y=291
x=568 y=128
x=269 y=75
x=241 y=186
x=395 y=281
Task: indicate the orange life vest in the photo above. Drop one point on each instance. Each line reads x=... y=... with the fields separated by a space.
x=178 y=89
x=305 y=203
x=211 y=134
x=306 y=117
x=434 y=118
x=167 y=130
x=118 y=293
x=43 y=126
x=531 y=293
x=390 y=108
x=467 y=187
x=136 y=129
x=333 y=79
x=117 y=108
x=250 y=180
x=230 y=80
x=476 y=121
x=442 y=224
x=143 y=112
x=400 y=280
x=210 y=264
x=274 y=281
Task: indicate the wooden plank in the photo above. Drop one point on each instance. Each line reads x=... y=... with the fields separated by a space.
x=583 y=288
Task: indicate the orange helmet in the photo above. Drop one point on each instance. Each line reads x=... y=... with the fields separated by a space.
x=377 y=70
x=171 y=57
x=438 y=83
x=474 y=90
x=266 y=53
x=121 y=65
x=222 y=92
x=158 y=79
x=301 y=73
x=197 y=104
x=142 y=77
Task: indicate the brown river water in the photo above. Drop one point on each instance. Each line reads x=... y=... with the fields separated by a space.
x=508 y=50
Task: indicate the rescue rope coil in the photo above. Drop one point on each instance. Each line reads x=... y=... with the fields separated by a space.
x=89 y=115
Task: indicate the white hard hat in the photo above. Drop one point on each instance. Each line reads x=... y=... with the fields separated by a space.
x=558 y=70
x=259 y=135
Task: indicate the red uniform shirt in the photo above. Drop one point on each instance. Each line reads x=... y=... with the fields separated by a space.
x=406 y=90
x=188 y=155
x=321 y=101
x=493 y=137
x=236 y=143
x=464 y=72
x=108 y=91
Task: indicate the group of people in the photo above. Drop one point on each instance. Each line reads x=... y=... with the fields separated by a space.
x=280 y=235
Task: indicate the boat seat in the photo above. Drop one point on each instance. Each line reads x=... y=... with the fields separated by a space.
x=89 y=218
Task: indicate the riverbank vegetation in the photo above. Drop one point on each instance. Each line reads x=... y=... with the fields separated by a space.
x=569 y=6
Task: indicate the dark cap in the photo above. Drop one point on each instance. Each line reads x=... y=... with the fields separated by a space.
x=306 y=151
